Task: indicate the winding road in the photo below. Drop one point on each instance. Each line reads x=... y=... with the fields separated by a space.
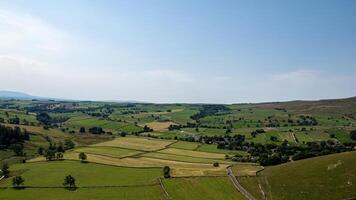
x=238 y=186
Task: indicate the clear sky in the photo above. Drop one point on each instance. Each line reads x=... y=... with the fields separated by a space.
x=179 y=51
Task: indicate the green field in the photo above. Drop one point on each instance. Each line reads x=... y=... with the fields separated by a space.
x=122 y=182
x=108 y=151
x=126 y=161
x=202 y=188
x=325 y=177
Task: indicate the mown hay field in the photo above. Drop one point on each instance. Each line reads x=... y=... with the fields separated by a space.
x=198 y=154
x=144 y=144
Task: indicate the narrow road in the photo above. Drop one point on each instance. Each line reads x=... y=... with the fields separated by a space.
x=238 y=186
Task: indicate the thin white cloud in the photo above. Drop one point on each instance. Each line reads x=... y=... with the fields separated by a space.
x=25 y=42
x=18 y=31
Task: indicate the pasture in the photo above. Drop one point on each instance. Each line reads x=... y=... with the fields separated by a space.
x=202 y=188
x=333 y=176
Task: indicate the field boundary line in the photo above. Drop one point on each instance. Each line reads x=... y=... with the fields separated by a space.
x=238 y=186
x=164 y=189
x=73 y=160
x=98 y=186
x=194 y=162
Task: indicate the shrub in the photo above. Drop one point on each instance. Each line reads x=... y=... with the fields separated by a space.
x=17 y=181
x=166 y=172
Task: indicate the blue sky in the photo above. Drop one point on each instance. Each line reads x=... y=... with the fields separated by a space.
x=179 y=51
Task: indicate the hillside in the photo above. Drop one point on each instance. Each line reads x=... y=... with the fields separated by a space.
x=325 y=177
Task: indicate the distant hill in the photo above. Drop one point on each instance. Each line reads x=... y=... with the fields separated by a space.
x=16 y=95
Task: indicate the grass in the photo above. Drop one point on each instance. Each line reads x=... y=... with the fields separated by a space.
x=252 y=185
x=202 y=188
x=108 y=151
x=212 y=148
x=86 y=174
x=185 y=145
x=129 y=183
x=127 y=193
x=145 y=144
x=325 y=177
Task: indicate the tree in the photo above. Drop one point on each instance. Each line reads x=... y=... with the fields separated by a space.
x=17 y=181
x=44 y=118
x=5 y=170
x=50 y=154
x=68 y=144
x=59 y=155
x=123 y=134
x=69 y=182
x=216 y=164
x=18 y=149
x=166 y=172
x=147 y=129
x=96 y=130
x=82 y=129
x=40 y=150
x=353 y=135
x=82 y=157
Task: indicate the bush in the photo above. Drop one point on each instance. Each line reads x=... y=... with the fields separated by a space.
x=5 y=170
x=17 y=181
x=69 y=182
x=216 y=164
x=353 y=135
x=166 y=172
x=82 y=157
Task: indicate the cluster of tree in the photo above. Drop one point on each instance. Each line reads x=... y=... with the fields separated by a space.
x=45 y=119
x=307 y=121
x=173 y=127
x=14 y=120
x=207 y=110
x=256 y=132
x=99 y=114
x=96 y=130
x=55 y=151
x=272 y=154
x=12 y=136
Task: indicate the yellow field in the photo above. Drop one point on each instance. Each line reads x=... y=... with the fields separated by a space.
x=159 y=126
x=144 y=144
x=198 y=154
x=179 y=169
x=132 y=152
x=246 y=169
